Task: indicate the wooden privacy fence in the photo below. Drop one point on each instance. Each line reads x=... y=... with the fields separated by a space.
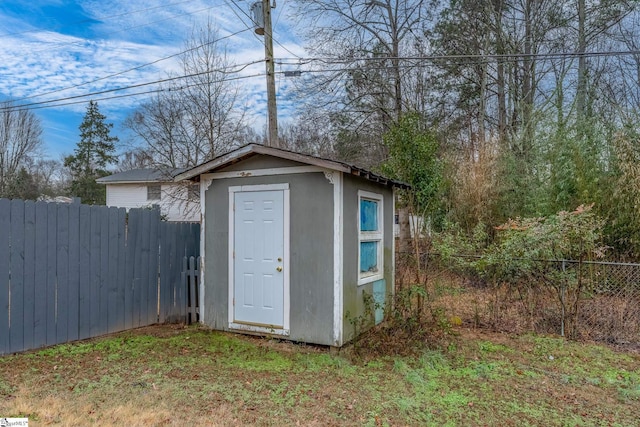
x=186 y=308
x=71 y=271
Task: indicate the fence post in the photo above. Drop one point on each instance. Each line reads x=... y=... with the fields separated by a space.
x=192 y=290
x=182 y=292
x=5 y=242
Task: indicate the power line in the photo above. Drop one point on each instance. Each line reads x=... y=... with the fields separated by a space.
x=506 y=56
x=233 y=9
x=138 y=67
x=35 y=105
x=276 y=23
x=169 y=79
x=267 y=32
x=280 y=13
x=127 y=95
x=248 y=28
x=255 y=23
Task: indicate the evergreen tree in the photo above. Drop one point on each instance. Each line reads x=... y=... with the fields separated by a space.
x=93 y=153
x=22 y=186
x=413 y=158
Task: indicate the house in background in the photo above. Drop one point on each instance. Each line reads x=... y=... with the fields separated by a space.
x=291 y=244
x=138 y=188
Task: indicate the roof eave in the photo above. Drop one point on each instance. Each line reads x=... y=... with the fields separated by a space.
x=148 y=181
x=253 y=149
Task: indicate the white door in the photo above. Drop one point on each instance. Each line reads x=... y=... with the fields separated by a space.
x=258 y=276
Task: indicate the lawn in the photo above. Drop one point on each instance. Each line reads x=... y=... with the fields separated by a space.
x=167 y=375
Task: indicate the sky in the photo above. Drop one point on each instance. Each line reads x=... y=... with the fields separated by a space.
x=54 y=49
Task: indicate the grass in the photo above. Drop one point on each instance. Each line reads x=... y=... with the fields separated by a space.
x=192 y=376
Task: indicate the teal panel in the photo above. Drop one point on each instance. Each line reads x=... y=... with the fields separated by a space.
x=368 y=257
x=379 y=294
x=368 y=215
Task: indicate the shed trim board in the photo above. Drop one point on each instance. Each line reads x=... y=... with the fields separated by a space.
x=250 y=150
x=242 y=152
x=393 y=246
x=258 y=329
x=336 y=179
x=377 y=236
x=263 y=172
x=278 y=329
x=204 y=186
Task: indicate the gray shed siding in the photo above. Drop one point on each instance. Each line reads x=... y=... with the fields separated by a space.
x=353 y=305
x=311 y=249
x=260 y=162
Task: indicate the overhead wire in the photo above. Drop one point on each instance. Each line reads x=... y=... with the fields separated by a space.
x=127 y=95
x=142 y=65
x=325 y=70
x=233 y=6
x=255 y=23
x=298 y=61
x=506 y=56
x=169 y=79
x=280 y=12
x=138 y=67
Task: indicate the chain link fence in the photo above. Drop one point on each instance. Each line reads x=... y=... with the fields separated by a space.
x=610 y=302
x=587 y=300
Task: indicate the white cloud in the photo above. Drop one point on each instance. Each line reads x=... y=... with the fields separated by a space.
x=38 y=62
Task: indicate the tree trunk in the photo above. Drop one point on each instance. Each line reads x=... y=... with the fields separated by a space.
x=500 y=80
x=405 y=231
x=527 y=85
x=581 y=91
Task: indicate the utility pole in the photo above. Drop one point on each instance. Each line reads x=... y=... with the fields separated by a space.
x=272 y=109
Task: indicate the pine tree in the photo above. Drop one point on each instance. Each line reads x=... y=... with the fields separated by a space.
x=22 y=186
x=93 y=153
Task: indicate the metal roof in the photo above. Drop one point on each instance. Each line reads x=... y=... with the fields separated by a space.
x=251 y=150
x=140 y=175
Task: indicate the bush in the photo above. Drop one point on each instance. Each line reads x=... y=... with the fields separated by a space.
x=528 y=252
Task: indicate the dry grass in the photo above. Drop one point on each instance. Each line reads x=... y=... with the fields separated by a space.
x=452 y=352
x=613 y=319
x=192 y=376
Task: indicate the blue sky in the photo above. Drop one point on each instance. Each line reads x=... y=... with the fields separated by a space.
x=49 y=46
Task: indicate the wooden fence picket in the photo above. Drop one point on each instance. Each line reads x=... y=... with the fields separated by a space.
x=16 y=260
x=70 y=272
x=5 y=247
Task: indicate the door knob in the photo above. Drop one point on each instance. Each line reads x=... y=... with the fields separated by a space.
x=278 y=268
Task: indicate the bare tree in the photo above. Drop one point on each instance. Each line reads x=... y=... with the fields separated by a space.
x=20 y=140
x=162 y=127
x=379 y=31
x=198 y=117
x=209 y=100
x=49 y=177
x=624 y=87
x=134 y=159
x=306 y=135
x=363 y=77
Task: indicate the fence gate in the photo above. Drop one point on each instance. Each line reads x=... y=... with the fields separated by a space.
x=191 y=283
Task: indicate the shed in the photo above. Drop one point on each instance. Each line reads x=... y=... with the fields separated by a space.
x=291 y=243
